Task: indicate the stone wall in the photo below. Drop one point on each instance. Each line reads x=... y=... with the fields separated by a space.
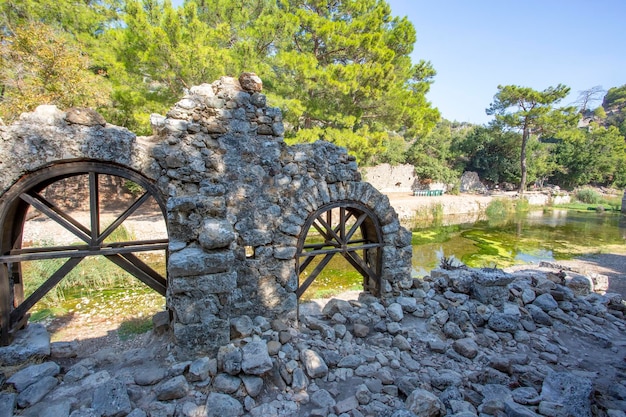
x=237 y=198
x=391 y=178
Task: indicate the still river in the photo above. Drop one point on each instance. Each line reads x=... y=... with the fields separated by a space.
x=544 y=235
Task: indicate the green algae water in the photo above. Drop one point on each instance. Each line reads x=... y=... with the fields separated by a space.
x=536 y=236
x=527 y=238
x=547 y=235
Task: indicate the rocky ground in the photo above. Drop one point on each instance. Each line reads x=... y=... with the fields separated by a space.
x=460 y=342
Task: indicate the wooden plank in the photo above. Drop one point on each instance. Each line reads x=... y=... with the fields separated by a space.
x=302 y=288
x=127 y=213
x=83 y=251
x=6 y=303
x=356 y=226
x=340 y=250
x=94 y=207
x=69 y=223
x=159 y=285
x=54 y=279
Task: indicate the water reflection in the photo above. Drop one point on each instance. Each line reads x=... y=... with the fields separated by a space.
x=536 y=236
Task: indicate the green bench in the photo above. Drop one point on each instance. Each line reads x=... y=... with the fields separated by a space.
x=427 y=193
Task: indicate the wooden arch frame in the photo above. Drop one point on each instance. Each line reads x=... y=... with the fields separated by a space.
x=24 y=193
x=338 y=239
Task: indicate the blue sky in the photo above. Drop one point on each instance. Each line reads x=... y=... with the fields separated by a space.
x=475 y=45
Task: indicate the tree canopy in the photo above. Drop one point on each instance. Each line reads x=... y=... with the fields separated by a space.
x=530 y=112
x=340 y=70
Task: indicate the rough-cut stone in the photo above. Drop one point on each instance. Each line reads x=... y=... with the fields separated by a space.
x=226 y=383
x=313 y=363
x=570 y=392
x=172 y=389
x=256 y=359
x=424 y=403
x=200 y=369
x=394 y=312
x=222 y=405
x=31 y=374
x=35 y=392
x=253 y=384
x=251 y=82
x=111 y=399
x=8 y=400
x=546 y=302
x=335 y=305
x=502 y=322
x=241 y=327
x=466 y=347
x=85 y=117
x=149 y=375
x=579 y=284
x=539 y=316
x=323 y=399
x=34 y=341
x=63 y=349
x=229 y=359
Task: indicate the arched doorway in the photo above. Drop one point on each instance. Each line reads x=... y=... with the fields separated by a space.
x=346 y=228
x=27 y=196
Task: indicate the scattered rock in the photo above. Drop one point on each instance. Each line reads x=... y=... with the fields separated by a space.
x=459 y=359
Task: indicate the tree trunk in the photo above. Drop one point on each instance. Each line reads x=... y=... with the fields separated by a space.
x=522 y=184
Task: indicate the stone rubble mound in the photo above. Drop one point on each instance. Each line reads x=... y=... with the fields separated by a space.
x=461 y=342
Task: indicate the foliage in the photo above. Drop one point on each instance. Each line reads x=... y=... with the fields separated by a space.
x=586 y=97
x=433 y=154
x=499 y=209
x=614 y=104
x=343 y=69
x=394 y=147
x=588 y=196
x=491 y=152
x=596 y=155
x=340 y=71
x=532 y=113
x=40 y=65
x=133 y=188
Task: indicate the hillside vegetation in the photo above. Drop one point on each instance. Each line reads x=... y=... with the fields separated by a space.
x=340 y=71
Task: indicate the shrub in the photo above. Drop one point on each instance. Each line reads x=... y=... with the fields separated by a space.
x=522 y=206
x=498 y=209
x=588 y=196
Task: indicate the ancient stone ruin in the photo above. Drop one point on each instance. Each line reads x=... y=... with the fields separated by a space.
x=237 y=201
x=238 y=204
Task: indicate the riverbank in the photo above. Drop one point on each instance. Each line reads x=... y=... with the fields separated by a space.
x=461 y=208
x=469 y=208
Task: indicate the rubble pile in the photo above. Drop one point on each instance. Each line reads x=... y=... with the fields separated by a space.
x=461 y=342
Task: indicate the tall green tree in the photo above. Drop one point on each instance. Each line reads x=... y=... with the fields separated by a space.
x=433 y=155
x=614 y=104
x=344 y=64
x=532 y=113
x=595 y=155
x=41 y=65
x=491 y=152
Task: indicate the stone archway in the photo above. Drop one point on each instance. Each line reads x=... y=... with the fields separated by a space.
x=346 y=228
x=27 y=195
x=236 y=197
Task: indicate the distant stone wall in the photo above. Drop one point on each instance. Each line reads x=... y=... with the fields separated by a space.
x=237 y=199
x=391 y=178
